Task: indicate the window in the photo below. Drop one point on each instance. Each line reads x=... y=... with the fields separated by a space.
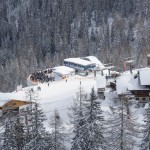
x=137 y=98
x=14 y=104
x=143 y=99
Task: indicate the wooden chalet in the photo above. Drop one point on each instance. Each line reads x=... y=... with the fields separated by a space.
x=13 y=105
x=136 y=84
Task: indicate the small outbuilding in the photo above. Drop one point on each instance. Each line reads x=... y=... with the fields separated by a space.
x=63 y=72
x=101 y=85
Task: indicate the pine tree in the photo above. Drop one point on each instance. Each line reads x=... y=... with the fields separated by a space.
x=57 y=135
x=19 y=133
x=38 y=136
x=9 y=135
x=146 y=139
x=77 y=119
x=14 y=134
x=2 y=126
x=31 y=96
x=93 y=129
x=122 y=129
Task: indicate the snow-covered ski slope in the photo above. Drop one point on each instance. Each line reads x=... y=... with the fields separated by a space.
x=58 y=95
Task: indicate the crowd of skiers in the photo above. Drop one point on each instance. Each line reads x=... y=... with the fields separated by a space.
x=42 y=76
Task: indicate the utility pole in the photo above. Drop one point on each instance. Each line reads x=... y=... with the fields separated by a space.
x=81 y=121
x=121 y=145
x=30 y=112
x=80 y=96
x=55 y=131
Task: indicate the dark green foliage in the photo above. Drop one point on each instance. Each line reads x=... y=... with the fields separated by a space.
x=34 y=32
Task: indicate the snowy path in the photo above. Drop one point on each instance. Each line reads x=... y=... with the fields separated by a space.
x=59 y=95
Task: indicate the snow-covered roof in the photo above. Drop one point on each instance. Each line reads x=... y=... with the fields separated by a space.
x=129 y=61
x=114 y=72
x=144 y=77
x=95 y=60
x=128 y=82
x=63 y=70
x=79 y=61
x=101 y=81
x=6 y=97
x=2 y=102
x=122 y=83
x=134 y=84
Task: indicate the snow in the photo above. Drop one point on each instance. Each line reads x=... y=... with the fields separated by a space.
x=31 y=83
x=2 y=102
x=93 y=25
x=133 y=84
x=93 y=59
x=14 y=95
x=101 y=81
x=129 y=61
x=63 y=70
x=58 y=95
x=128 y=81
x=78 y=61
x=110 y=21
x=122 y=83
x=148 y=55
x=144 y=77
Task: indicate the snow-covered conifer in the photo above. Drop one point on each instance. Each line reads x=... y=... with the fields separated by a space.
x=14 y=134
x=94 y=127
x=146 y=131
x=37 y=133
x=57 y=135
x=77 y=119
x=122 y=129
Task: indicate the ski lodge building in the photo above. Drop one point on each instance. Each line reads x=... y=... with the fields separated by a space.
x=80 y=64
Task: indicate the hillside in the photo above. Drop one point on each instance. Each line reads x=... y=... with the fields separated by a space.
x=41 y=33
